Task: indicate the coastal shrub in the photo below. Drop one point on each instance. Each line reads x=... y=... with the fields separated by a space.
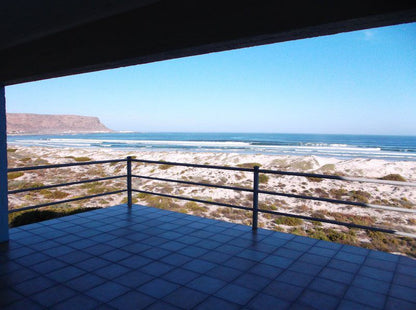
x=162 y=203
x=341 y=237
x=394 y=177
x=288 y=221
x=24 y=184
x=98 y=188
x=56 y=194
x=40 y=161
x=321 y=214
x=403 y=202
x=321 y=192
x=142 y=195
x=359 y=196
x=195 y=208
x=338 y=193
x=344 y=217
x=101 y=189
x=165 y=166
x=11 y=150
x=233 y=214
x=269 y=207
x=28 y=217
x=302 y=209
x=390 y=243
x=318 y=234
x=314 y=179
x=248 y=165
x=89 y=185
x=263 y=178
x=278 y=228
x=380 y=201
x=298 y=231
x=81 y=158
x=14 y=175
x=133 y=200
x=164 y=188
x=334 y=235
x=316 y=223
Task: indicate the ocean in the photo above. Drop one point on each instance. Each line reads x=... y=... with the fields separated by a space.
x=340 y=146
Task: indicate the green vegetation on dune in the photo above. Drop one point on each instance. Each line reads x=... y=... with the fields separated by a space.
x=390 y=243
x=333 y=235
x=14 y=175
x=79 y=159
x=33 y=216
x=393 y=177
x=54 y=194
x=17 y=184
x=94 y=188
x=314 y=179
x=133 y=200
x=288 y=221
x=263 y=178
x=165 y=166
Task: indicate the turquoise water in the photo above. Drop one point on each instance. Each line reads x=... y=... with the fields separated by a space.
x=339 y=146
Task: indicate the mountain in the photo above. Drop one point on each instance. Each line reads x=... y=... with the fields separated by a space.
x=24 y=123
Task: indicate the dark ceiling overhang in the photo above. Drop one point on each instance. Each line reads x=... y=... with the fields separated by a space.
x=48 y=38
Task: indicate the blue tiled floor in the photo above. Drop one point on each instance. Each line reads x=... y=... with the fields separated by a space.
x=147 y=258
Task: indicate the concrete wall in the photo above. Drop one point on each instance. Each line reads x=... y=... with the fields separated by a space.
x=4 y=216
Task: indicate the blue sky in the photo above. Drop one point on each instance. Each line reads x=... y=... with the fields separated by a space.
x=361 y=82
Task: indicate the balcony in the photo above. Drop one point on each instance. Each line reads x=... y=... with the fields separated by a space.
x=138 y=257
x=148 y=258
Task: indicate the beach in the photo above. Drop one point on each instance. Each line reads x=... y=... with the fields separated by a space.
x=380 y=194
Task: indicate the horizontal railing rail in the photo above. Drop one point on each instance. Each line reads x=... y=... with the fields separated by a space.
x=255 y=190
x=172 y=163
x=235 y=188
x=86 y=163
x=194 y=199
x=337 y=201
x=30 y=189
x=42 y=205
x=337 y=177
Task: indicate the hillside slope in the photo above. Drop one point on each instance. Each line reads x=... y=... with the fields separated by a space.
x=23 y=123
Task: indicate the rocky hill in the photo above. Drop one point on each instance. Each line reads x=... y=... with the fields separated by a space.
x=23 y=123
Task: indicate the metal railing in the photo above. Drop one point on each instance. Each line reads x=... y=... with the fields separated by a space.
x=31 y=189
x=255 y=190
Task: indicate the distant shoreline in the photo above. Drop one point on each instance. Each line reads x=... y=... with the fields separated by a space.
x=394 y=148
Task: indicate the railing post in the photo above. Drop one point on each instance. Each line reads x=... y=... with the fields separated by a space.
x=129 y=199
x=255 y=197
